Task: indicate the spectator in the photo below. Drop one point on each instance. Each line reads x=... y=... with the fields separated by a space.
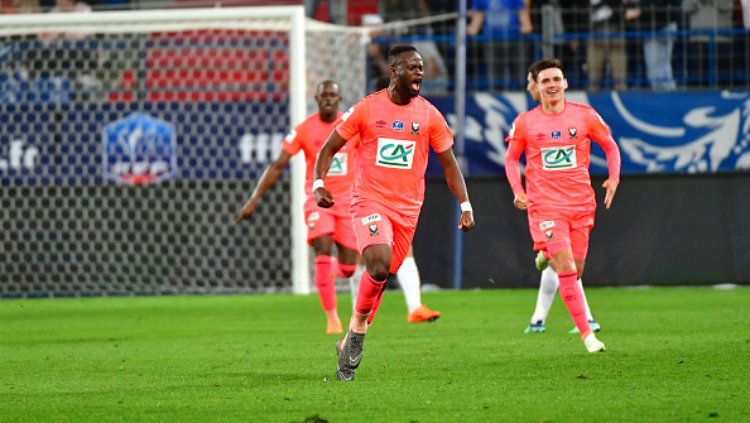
x=502 y=21
x=86 y=58
x=377 y=66
x=394 y=10
x=608 y=19
x=660 y=18
x=435 y=72
x=19 y=6
x=710 y=15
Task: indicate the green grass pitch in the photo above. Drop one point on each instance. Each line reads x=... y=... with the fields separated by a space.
x=674 y=355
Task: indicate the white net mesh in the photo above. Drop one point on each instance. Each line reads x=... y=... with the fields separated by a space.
x=126 y=151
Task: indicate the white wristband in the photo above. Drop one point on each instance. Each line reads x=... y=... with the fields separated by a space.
x=318 y=183
x=466 y=207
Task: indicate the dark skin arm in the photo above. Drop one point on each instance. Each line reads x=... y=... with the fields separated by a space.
x=266 y=181
x=332 y=145
x=457 y=185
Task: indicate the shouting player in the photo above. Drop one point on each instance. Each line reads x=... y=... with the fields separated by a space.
x=556 y=138
x=326 y=226
x=396 y=128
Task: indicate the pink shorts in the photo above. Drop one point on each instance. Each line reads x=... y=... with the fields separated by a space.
x=375 y=225
x=555 y=230
x=336 y=221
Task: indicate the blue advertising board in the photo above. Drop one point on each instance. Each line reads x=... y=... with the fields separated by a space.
x=679 y=132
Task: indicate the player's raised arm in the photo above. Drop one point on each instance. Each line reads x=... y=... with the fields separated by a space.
x=601 y=134
x=332 y=145
x=457 y=185
x=266 y=181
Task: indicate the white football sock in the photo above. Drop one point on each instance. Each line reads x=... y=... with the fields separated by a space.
x=589 y=317
x=408 y=278
x=547 y=289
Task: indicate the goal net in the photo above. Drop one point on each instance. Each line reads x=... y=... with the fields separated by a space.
x=129 y=141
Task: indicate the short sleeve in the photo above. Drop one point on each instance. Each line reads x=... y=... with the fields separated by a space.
x=441 y=137
x=517 y=131
x=292 y=143
x=351 y=121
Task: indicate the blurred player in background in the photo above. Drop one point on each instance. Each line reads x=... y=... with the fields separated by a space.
x=556 y=138
x=548 y=282
x=396 y=127
x=326 y=226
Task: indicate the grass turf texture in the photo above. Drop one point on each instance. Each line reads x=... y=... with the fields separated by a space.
x=675 y=354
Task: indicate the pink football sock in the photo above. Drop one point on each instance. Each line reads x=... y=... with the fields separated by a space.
x=325 y=281
x=571 y=294
x=369 y=294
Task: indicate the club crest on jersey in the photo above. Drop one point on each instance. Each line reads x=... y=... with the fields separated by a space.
x=397 y=125
x=559 y=157
x=380 y=123
x=373 y=229
x=550 y=235
x=573 y=132
x=415 y=128
x=397 y=154
x=556 y=135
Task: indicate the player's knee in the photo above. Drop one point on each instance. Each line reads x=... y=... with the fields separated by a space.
x=378 y=271
x=346 y=273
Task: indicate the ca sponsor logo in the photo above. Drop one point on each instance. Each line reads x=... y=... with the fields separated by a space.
x=375 y=217
x=397 y=154
x=559 y=158
x=547 y=224
x=338 y=165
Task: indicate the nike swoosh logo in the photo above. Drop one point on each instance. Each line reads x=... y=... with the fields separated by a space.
x=355 y=360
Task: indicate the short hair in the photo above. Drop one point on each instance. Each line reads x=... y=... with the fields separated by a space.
x=543 y=64
x=320 y=86
x=395 y=52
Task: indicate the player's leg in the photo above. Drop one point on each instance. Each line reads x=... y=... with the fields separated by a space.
x=409 y=280
x=349 y=261
x=325 y=281
x=547 y=289
x=403 y=228
x=374 y=237
x=320 y=227
x=579 y=238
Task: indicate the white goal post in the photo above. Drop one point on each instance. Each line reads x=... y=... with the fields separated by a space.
x=315 y=52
